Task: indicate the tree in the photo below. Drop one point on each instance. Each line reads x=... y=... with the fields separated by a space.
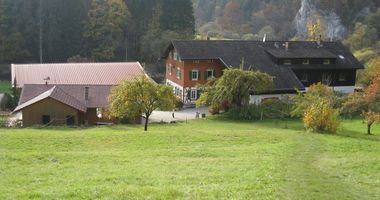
x=316 y=107
x=363 y=36
x=316 y=92
x=233 y=16
x=371 y=71
x=315 y=30
x=105 y=27
x=140 y=96
x=321 y=117
x=235 y=87
x=367 y=102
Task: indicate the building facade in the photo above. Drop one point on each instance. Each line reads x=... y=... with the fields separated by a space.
x=294 y=66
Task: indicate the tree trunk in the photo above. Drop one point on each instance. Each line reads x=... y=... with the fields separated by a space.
x=146 y=122
x=369 y=129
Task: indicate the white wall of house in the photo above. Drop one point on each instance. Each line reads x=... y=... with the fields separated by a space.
x=258 y=99
x=343 y=89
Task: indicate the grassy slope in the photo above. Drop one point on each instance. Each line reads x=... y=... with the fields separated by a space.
x=206 y=159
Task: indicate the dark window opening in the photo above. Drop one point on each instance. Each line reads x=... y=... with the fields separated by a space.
x=304 y=77
x=70 y=120
x=45 y=119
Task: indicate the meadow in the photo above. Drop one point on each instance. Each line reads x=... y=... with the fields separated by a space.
x=204 y=159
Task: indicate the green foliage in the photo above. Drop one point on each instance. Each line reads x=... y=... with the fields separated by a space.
x=104 y=27
x=315 y=93
x=366 y=54
x=268 y=109
x=321 y=117
x=372 y=69
x=364 y=36
x=235 y=87
x=140 y=97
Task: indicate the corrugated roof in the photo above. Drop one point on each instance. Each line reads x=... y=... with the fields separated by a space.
x=97 y=95
x=76 y=73
x=57 y=94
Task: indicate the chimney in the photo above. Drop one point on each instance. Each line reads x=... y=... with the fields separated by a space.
x=286 y=46
x=319 y=42
x=86 y=91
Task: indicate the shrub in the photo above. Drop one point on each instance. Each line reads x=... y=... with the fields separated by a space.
x=214 y=109
x=249 y=113
x=321 y=117
x=178 y=104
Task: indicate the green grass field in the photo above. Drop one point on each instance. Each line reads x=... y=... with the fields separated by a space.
x=205 y=159
x=5 y=87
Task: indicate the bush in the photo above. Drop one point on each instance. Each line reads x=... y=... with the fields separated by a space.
x=249 y=113
x=321 y=117
x=178 y=104
x=214 y=109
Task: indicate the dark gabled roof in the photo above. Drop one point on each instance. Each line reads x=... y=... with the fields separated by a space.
x=57 y=94
x=257 y=55
x=300 y=53
x=97 y=93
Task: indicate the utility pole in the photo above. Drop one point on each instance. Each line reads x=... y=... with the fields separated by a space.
x=41 y=31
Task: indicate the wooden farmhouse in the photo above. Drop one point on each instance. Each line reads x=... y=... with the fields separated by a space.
x=68 y=94
x=293 y=65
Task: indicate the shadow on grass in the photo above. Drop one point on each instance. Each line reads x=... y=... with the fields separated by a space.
x=288 y=123
x=357 y=135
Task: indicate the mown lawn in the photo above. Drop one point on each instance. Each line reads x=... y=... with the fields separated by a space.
x=205 y=159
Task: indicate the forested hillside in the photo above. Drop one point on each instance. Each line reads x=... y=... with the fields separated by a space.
x=118 y=30
x=90 y=30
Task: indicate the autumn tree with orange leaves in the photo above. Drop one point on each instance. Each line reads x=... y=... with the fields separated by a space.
x=367 y=102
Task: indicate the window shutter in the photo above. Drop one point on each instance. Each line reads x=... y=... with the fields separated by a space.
x=206 y=75
x=191 y=75
x=199 y=75
x=214 y=72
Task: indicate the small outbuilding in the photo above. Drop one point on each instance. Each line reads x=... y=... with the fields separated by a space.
x=69 y=94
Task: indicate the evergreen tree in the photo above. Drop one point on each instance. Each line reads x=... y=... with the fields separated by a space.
x=104 y=28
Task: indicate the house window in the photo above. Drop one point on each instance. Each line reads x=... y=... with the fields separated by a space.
x=342 y=77
x=326 y=78
x=196 y=61
x=193 y=94
x=99 y=113
x=195 y=75
x=170 y=69
x=179 y=74
x=326 y=61
x=287 y=62
x=306 y=61
x=210 y=74
x=171 y=54
x=45 y=119
x=304 y=77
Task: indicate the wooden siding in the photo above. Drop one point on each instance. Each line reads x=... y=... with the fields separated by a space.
x=315 y=76
x=32 y=115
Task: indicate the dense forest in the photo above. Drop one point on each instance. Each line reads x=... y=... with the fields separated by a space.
x=48 y=31
x=90 y=30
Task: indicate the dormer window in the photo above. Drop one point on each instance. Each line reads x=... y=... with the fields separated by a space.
x=326 y=61
x=287 y=62
x=306 y=61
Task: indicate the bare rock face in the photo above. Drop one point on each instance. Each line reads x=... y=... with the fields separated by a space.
x=334 y=28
